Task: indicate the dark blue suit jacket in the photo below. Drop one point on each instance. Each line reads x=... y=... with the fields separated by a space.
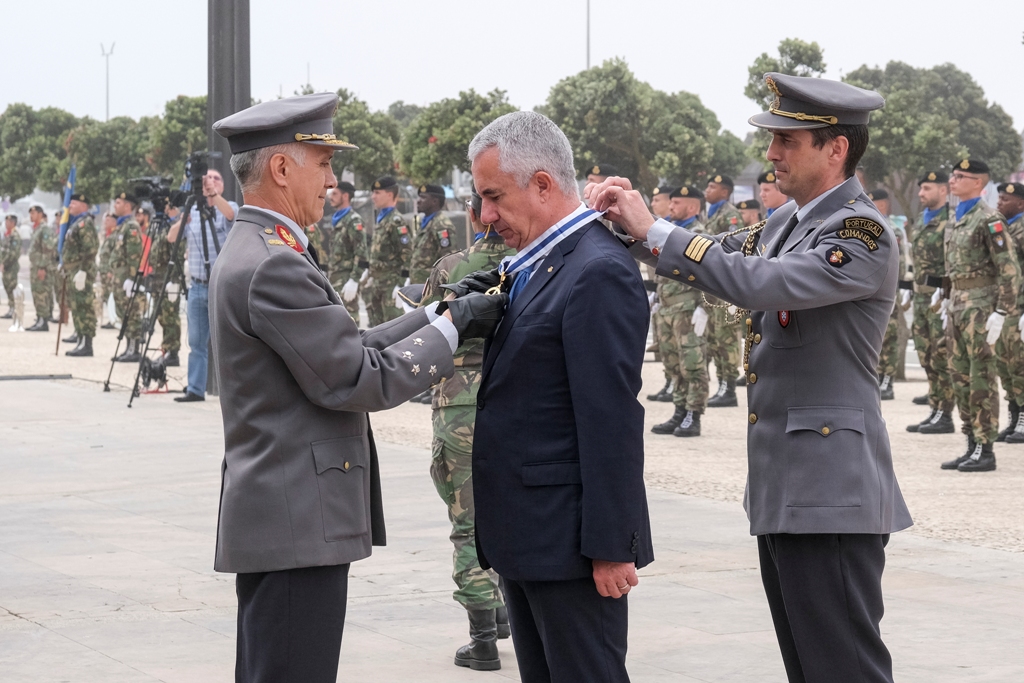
x=558 y=454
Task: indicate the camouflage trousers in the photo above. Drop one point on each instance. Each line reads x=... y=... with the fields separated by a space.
x=42 y=293
x=10 y=282
x=723 y=343
x=170 y=324
x=1010 y=360
x=683 y=354
x=973 y=369
x=451 y=469
x=83 y=311
x=380 y=304
x=889 y=357
x=133 y=331
x=930 y=344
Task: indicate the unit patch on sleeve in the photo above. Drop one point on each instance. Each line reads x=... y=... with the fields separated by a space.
x=837 y=257
x=697 y=248
x=855 y=234
x=865 y=224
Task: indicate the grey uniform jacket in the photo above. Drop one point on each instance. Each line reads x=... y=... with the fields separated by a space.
x=817 y=447
x=299 y=482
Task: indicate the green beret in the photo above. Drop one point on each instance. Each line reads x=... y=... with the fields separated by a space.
x=972 y=166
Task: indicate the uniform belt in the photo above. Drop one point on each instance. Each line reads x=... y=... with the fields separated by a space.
x=197 y=281
x=929 y=280
x=973 y=282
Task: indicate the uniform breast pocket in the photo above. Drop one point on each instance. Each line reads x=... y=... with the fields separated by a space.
x=790 y=329
x=827 y=456
x=342 y=469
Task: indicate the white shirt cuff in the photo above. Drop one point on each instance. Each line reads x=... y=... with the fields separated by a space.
x=445 y=326
x=658 y=235
x=431 y=312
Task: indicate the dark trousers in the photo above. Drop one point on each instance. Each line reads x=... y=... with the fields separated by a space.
x=290 y=624
x=825 y=595
x=565 y=632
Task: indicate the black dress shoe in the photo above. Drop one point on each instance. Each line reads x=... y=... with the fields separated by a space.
x=73 y=339
x=38 y=326
x=171 y=360
x=920 y=400
x=189 y=397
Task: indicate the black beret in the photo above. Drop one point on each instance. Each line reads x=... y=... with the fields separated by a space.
x=664 y=189
x=972 y=166
x=435 y=190
x=128 y=197
x=385 y=183
x=934 y=177
x=875 y=195
x=766 y=177
x=749 y=204
x=807 y=102
x=79 y=197
x=603 y=169
x=687 y=192
x=1016 y=189
x=347 y=187
x=722 y=180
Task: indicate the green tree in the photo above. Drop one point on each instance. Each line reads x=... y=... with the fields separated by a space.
x=32 y=148
x=437 y=140
x=375 y=133
x=403 y=113
x=181 y=131
x=108 y=154
x=932 y=117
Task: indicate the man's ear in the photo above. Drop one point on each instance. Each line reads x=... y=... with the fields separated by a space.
x=279 y=169
x=840 y=148
x=545 y=185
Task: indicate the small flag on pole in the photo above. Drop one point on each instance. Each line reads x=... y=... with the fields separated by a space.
x=65 y=217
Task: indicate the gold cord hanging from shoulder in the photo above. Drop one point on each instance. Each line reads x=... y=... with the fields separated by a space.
x=747 y=250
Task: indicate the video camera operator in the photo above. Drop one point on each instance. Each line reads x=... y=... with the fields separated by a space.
x=204 y=245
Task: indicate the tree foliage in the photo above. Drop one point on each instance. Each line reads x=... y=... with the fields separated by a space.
x=32 y=148
x=374 y=132
x=178 y=133
x=403 y=113
x=932 y=117
x=437 y=139
x=108 y=154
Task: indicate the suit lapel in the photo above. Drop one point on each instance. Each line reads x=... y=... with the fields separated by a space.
x=849 y=190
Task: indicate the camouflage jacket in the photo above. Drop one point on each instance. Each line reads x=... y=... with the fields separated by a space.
x=981 y=261
x=485 y=254
x=1016 y=230
x=81 y=244
x=42 y=248
x=928 y=251
x=348 y=250
x=127 y=251
x=726 y=219
x=10 y=251
x=160 y=256
x=107 y=254
x=316 y=237
x=429 y=244
x=672 y=293
x=389 y=251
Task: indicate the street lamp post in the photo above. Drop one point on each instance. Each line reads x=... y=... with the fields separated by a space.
x=106 y=56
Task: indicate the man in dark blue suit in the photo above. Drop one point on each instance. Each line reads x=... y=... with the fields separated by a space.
x=558 y=456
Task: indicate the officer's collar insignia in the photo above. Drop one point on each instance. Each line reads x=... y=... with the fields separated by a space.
x=784 y=318
x=268 y=231
x=838 y=258
x=289 y=239
x=276 y=243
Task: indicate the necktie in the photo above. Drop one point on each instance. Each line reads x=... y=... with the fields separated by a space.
x=313 y=255
x=787 y=230
x=518 y=285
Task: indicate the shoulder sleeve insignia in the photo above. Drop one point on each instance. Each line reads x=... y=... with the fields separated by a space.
x=404 y=230
x=865 y=224
x=359 y=226
x=837 y=257
x=312 y=228
x=995 y=227
x=733 y=221
x=697 y=248
x=855 y=234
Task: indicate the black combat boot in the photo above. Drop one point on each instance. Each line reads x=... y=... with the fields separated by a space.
x=660 y=395
x=1011 y=426
x=972 y=447
x=917 y=425
x=1017 y=435
x=940 y=423
x=39 y=325
x=501 y=619
x=8 y=315
x=920 y=400
x=83 y=350
x=741 y=381
x=131 y=354
x=73 y=339
x=481 y=654
x=690 y=426
x=983 y=460
x=726 y=396
x=670 y=425
x=885 y=387
x=171 y=359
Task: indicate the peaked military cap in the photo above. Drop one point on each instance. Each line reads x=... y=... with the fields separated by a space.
x=875 y=195
x=435 y=190
x=804 y=102
x=972 y=166
x=664 y=189
x=687 y=192
x=307 y=118
x=934 y=177
x=385 y=183
x=347 y=188
x=749 y=204
x=722 y=180
x=1016 y=189
x=79 y=197
x=766 y=177
x=603 y=169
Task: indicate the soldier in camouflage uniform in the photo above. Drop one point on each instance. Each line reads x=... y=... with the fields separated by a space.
x=984 y=274
x=929 y=267
x=889 y=356
x=1010 y=348
x=434 y=234
x=125 y=261
x=42 y=268
x=316 y=238
x=349 y=252
x=660 y=200
x=10 y=252
x=389 y=253
x=723 y=333
x=169 y=315
x=681 y=311
x=106 y=273
x=81 y=243
x=454 y=418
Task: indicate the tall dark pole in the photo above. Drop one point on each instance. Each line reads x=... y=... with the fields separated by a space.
x=227 y=77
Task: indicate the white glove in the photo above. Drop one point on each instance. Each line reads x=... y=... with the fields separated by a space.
x=350 y=290
x=366 y=274
x=408 y=282
x=936 y=297
x=655 y=308
x=700 y=321
x=1020 y=327
x=905 y=297
x=651 y=298
x=369 y=283
x=173 y=289
x=398 y=299
x=79 y=280
x=731 y=309
x=994 y=327
x=945 y=318
x=127 y=286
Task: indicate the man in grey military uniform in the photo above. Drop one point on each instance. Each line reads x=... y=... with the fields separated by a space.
x=822 y=495
x=300 y=487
